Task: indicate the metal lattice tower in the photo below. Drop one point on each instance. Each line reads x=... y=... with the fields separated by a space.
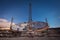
x=11 y=23
x=30 y=13
x=30 y=16
x=46 y=22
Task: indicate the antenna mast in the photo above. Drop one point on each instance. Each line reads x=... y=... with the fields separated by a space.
x=46 y=22
x=30 y=16
x=11 y=23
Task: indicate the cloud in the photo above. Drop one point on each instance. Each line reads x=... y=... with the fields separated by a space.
x=5 y=24
x=3 y=20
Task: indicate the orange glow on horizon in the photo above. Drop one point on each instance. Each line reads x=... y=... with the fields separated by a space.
x=4 y=28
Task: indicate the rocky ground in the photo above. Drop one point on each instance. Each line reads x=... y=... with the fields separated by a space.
x=31 y=38
x=52 y=35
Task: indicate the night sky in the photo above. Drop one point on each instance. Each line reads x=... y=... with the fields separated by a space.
x=41 y=9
